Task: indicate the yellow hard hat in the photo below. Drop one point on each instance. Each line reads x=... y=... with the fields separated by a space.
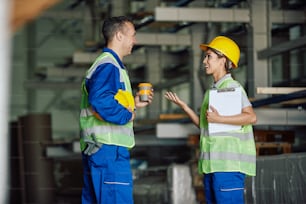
x=126 y=99
x=226 y=46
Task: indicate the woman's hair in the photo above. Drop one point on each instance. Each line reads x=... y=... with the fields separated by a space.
x=228 y=63
x=112 y=25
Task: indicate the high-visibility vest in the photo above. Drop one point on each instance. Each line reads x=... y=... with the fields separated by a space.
x=230 y=151
x=97 y=131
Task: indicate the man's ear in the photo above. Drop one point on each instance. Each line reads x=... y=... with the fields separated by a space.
x=118 y=36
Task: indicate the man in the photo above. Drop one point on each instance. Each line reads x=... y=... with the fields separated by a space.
x=106 y=119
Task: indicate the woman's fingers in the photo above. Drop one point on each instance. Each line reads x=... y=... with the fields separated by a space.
x=171 y=96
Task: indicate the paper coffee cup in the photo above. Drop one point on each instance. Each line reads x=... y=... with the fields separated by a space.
x=144 y=91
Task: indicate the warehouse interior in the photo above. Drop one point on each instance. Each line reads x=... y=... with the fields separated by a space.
x=52 y=44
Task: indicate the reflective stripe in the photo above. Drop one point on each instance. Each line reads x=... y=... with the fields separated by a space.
x=107 y=129
x=240 y=135
x=95 y=132
x=116 y=183
x=204 y=131
x=227 y=156
x=226 y=151
x=103 y=60
x=231 y=189
x=86 y=112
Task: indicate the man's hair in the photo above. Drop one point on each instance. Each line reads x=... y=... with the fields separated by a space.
x=112 y=25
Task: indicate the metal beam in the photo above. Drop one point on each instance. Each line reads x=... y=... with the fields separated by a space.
x=283 y=47
x=66 y=72
x=153 y=39
x=80 y=57
x=265 y=116
x=67 y=14
x=271 y=116
x=202 y=14
x=287 y=16
x=224 y=15
x=163 y=39
x=52 y=85
x=258 y=39
x=279 y=99
x=279 y=90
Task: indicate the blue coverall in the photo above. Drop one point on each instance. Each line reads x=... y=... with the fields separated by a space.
x=107 y=172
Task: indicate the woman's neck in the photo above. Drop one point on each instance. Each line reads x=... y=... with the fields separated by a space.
x=218 y=76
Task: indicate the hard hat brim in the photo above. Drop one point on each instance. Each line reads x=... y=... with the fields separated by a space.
x=204 y=47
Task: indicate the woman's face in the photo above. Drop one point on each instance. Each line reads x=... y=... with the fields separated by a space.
x=213 y=63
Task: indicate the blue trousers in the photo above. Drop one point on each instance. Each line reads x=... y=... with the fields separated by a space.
x=224 y=187
x=107 y=176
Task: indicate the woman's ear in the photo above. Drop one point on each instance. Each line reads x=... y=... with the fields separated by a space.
x=223 y=61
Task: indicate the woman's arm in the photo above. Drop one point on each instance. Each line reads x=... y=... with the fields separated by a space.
x=191 y=114
x=247 y=116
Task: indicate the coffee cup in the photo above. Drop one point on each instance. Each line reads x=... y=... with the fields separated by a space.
x=144 y=91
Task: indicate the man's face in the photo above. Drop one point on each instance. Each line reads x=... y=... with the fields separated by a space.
x=129 y=38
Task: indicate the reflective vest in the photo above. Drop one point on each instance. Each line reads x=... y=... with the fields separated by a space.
x=97 y=131
x=231 y=151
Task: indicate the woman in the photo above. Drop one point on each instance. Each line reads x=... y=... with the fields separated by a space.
x=225 y=157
